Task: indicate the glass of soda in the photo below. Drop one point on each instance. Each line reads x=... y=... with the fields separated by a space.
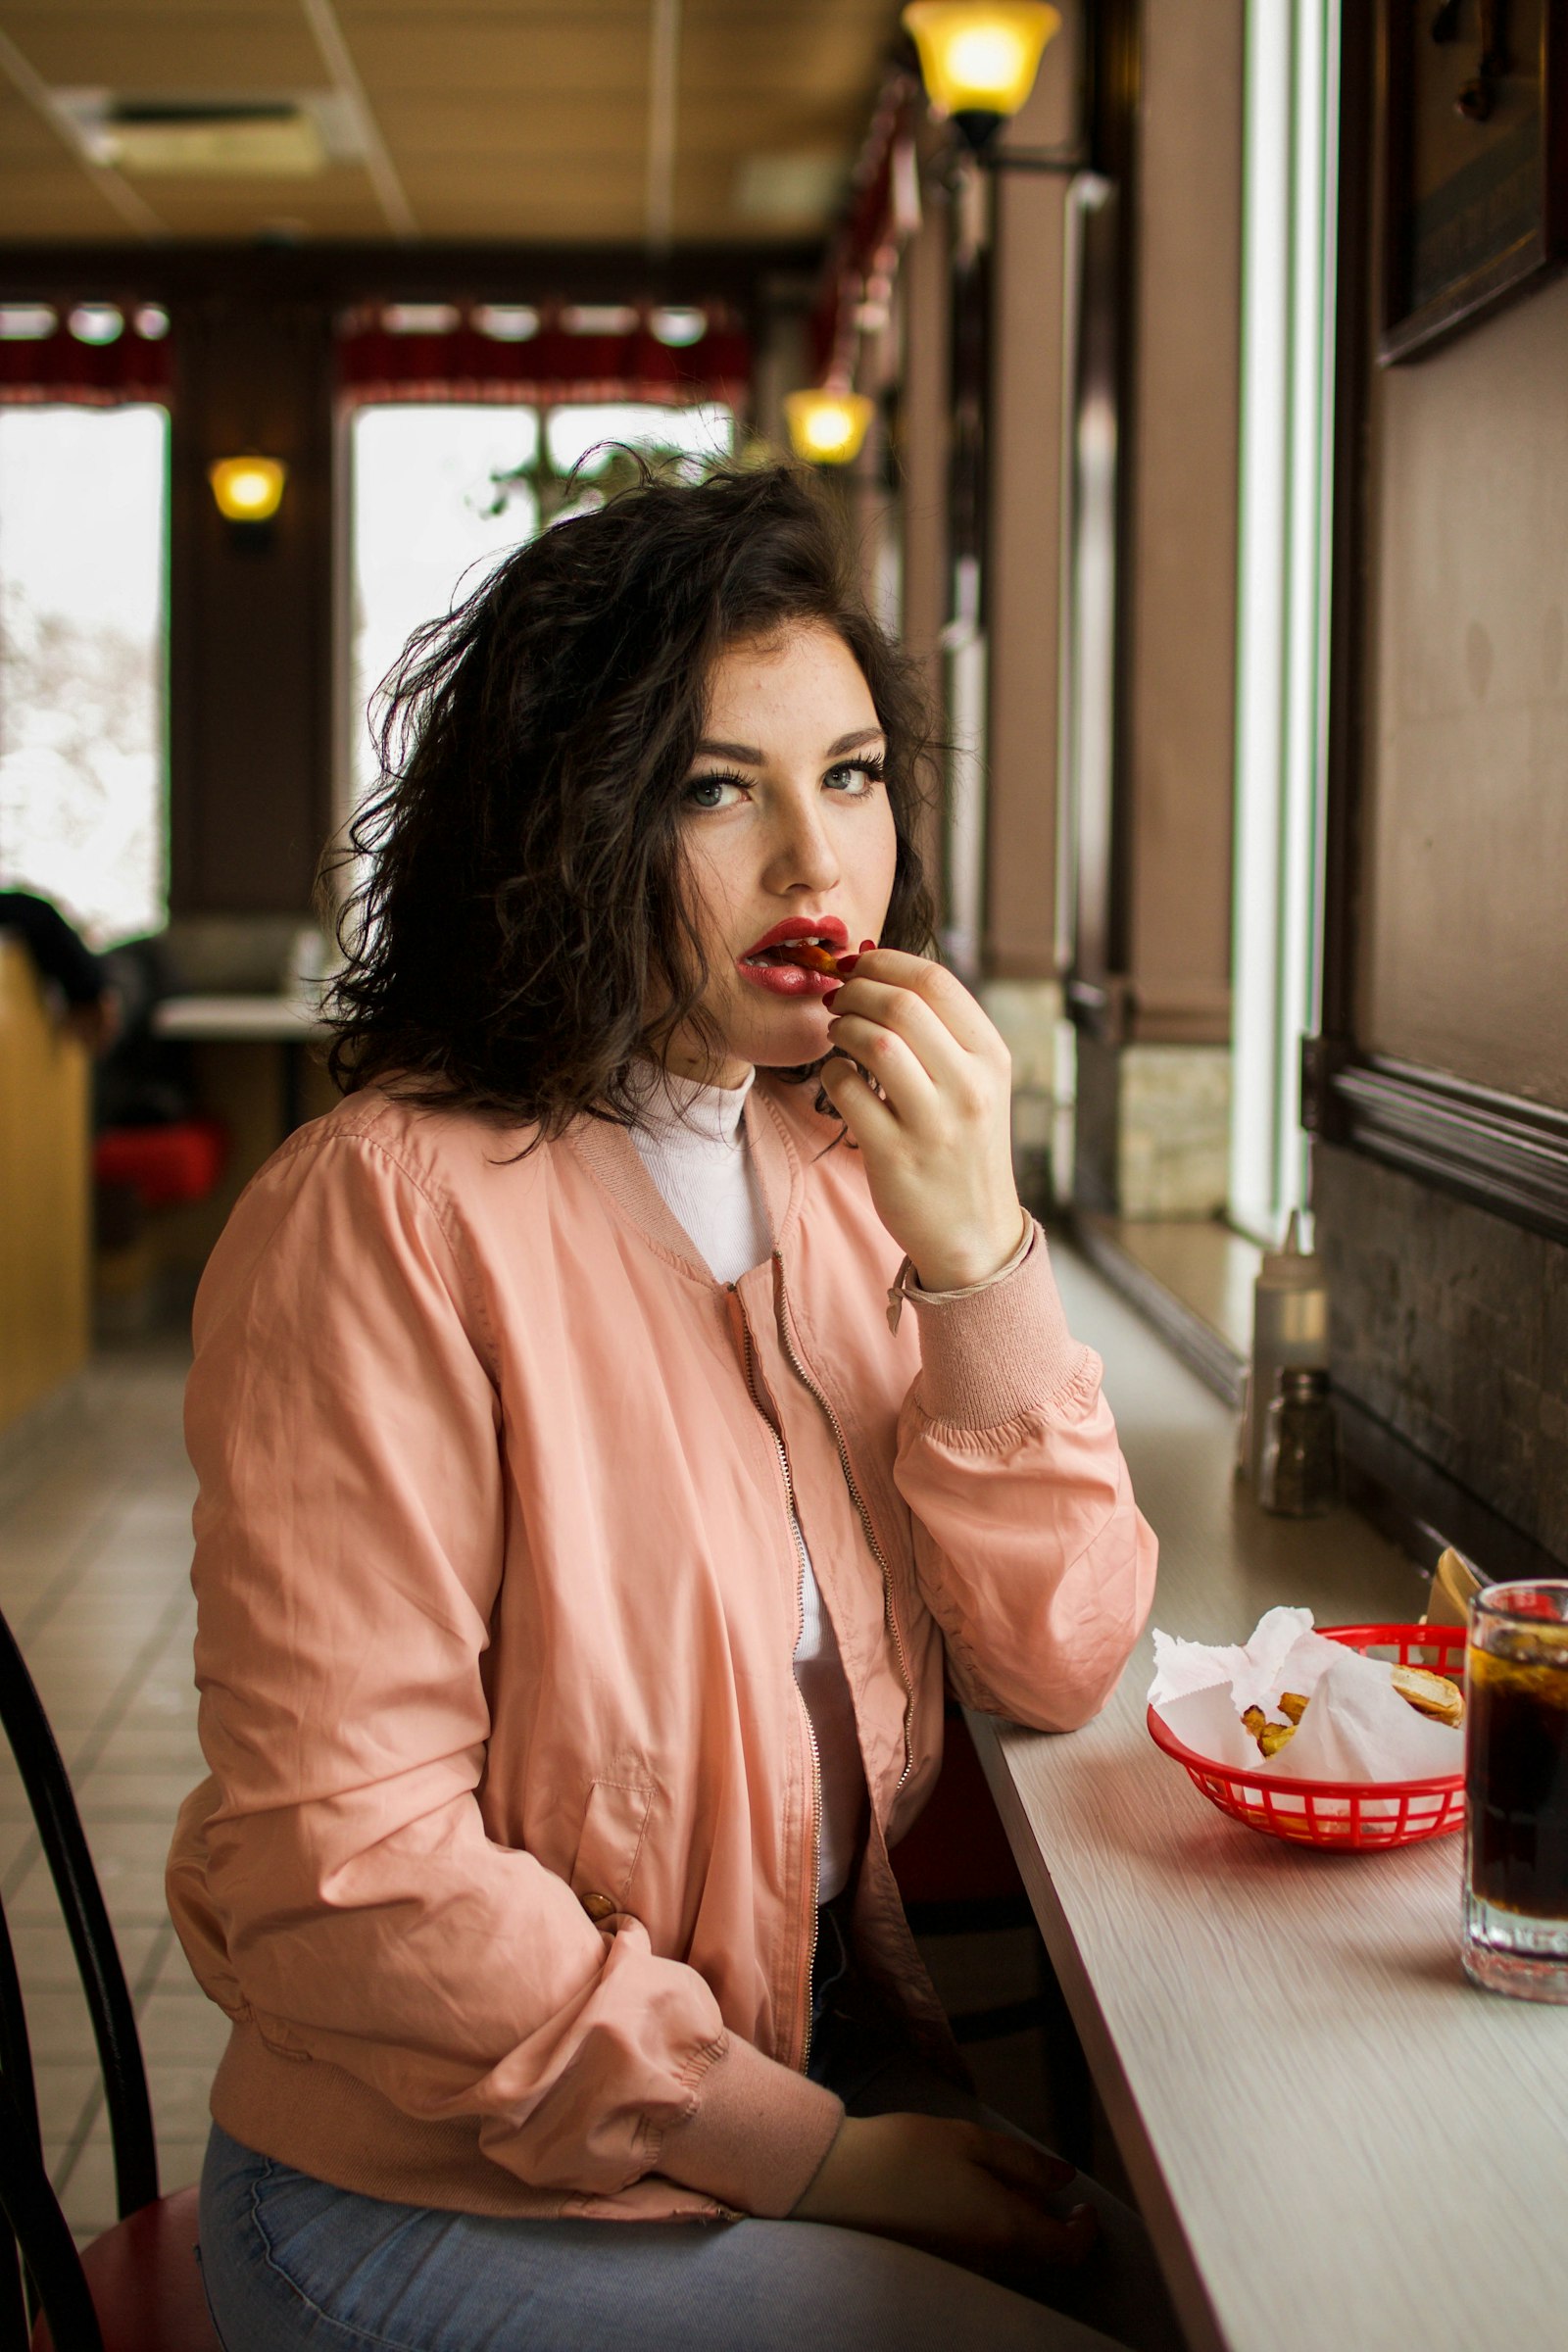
x=1516 y=1791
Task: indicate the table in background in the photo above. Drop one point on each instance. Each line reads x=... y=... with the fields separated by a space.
x=288 y=1021
x=1336 y=2140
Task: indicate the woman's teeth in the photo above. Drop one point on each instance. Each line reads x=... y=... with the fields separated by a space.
x=808 y=954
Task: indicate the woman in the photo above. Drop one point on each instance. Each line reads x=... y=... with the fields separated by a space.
x=585 y=1526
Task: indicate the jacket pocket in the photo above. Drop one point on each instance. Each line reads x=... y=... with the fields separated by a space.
x=611 y=1843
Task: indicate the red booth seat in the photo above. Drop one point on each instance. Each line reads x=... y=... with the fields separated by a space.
x=163 y=1165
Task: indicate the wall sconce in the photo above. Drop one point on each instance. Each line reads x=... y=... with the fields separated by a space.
x=827 y=426
x=248 y=489
x=978 y=61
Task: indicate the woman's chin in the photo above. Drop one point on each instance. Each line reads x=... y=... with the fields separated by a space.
x=784 y=1039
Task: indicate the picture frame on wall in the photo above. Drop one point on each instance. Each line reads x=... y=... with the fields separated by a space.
x=1474 y=161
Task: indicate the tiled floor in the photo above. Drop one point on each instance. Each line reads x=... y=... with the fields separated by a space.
x=94 y=1565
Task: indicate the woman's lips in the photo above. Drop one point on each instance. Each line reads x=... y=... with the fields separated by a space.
x=824 y=931
x=788 y=979
x=799 y=958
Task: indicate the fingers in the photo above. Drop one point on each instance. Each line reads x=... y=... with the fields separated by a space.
x=864 y=1112
x=909 y=1029
x=1024 y=2239
x=1062 y=2246
x=909 y=1085
x=971 y=2195
x=1024 y=2166
x=932 y=985
x=1017 y=2239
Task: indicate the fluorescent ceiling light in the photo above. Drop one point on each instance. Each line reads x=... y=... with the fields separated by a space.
x=287 y=135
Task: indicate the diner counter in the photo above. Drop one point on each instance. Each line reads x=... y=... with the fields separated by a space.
x=286 y=1020
x=1335 y=2139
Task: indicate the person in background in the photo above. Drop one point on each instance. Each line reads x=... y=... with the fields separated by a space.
x=614 y=1422
x=64 y=961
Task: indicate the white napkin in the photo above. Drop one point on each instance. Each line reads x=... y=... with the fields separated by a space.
x=1357 y=1727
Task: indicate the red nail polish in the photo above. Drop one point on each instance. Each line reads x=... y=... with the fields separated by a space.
x=847 y=964
x=831 y=994
x=867 y=944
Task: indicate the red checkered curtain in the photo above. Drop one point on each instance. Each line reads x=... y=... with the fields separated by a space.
x=389 y=353
x=95 y=355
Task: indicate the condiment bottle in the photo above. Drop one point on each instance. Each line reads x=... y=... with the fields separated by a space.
x=1290 y=1327
x=1299 y=1476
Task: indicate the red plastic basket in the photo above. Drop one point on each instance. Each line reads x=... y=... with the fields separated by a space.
x=1351 y=1816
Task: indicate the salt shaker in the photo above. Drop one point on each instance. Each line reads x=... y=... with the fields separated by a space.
x=1298 y=1477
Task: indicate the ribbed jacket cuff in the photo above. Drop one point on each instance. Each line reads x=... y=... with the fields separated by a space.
x=758 y=2136
x=989 y=1354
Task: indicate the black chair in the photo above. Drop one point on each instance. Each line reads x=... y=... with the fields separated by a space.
x=136 y=2289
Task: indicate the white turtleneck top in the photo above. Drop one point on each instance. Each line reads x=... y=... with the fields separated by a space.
x=693 y=1144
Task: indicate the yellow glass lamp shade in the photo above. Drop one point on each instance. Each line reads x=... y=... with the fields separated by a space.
x=828 y=427
x=248 y=489
x=979 y=58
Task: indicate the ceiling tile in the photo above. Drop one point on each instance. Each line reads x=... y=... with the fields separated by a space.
x=505 y=118
x=39 y=203
x=445 y=124
x=158 y=49
x=485 y=53
x=26 y=137
x=342 y=205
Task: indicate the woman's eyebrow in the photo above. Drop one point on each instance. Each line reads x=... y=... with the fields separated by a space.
x=749 y=754
x=745 y=752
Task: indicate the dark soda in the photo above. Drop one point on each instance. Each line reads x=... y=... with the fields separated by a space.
x=1516 y=1776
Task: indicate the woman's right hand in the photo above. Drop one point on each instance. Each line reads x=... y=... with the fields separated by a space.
x=976 y=2197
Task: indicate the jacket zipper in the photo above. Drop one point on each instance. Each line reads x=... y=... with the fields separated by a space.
x=855 y=1497
x=805 y=1712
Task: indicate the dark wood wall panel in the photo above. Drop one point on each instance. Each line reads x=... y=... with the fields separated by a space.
x=251 y=612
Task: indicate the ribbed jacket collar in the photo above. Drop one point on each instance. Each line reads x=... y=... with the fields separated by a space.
x=610 y=1158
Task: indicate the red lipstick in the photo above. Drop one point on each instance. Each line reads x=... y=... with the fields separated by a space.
x=797 y=958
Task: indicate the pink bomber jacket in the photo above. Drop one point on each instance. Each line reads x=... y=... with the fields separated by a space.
x=505 y=1868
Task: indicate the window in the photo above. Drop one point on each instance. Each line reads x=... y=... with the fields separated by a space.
x=84 y=796
x=434 y=510
x=444 y=490
x=1281 y=649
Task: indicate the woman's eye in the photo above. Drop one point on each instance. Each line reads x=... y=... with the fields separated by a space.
x=707 y=792
x=858 y=774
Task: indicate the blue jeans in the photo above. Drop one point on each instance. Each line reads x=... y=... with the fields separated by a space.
x=292 y=2263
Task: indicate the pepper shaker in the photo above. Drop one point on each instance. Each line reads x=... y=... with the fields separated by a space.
x=1289 y=1326
x=1298 y=1477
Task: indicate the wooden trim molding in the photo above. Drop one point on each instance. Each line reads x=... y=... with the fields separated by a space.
x=1176 y=1012
x=359 y=272
x=1507 y=1156
x=1120 y=1010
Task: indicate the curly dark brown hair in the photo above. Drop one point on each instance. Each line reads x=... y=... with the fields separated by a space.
x=526 y=895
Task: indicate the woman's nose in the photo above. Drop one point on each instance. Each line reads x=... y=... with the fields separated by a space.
x=802 y=852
